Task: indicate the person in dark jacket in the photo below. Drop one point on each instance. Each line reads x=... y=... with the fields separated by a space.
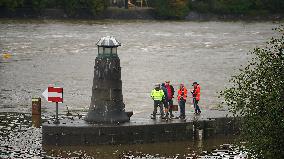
x=165 y=100
x=171 y=93
x=182 y=94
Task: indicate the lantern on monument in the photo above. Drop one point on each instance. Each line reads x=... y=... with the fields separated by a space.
x=107 y=47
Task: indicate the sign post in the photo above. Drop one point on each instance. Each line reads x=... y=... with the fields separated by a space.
x=54 y=94
x=56 y=120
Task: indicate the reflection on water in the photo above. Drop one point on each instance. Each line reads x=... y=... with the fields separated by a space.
x=186 y=149
x=20 y=140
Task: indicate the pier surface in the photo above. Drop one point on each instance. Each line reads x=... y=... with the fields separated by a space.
x=140 y=129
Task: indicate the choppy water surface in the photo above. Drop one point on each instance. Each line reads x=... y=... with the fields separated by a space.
x=63 y=53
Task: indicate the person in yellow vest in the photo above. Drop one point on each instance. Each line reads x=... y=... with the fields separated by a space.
x=157 y=94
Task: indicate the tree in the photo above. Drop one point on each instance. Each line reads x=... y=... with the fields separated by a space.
x=257 y=94
x=96 y=6
x=177 y=9
x=233 y=6
x=11 y=4
x=39 y=5
x=71 y=7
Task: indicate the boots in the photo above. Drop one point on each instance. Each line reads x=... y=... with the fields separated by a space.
x=153 y=116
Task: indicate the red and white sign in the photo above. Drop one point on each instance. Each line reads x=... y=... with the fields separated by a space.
x=53 y=94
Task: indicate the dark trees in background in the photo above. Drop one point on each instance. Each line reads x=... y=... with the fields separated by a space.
x=71 y=7
x=167 y=9
x=171 y=9
x=237 y=6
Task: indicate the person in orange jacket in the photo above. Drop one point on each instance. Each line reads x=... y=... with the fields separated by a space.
x=182 y=94
x=196 y=97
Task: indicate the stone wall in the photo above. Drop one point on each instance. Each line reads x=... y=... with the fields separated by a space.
x=131 y=133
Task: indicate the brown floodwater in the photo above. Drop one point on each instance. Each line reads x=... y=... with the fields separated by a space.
x=63 y=53
x=36 y=53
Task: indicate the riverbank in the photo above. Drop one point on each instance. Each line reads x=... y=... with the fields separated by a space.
x=109 y=13
x=132 y=14
x=195 y=16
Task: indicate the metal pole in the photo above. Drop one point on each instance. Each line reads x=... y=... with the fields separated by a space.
x=56 y=120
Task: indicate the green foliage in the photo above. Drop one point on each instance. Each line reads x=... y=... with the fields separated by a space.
x=11 y=4
x=171 y=8
x=96 y=6
x=202 y=6
x=55 y=3
x=71 y=7
x=236 y=6
x=257 y=93
x=38 y=5
x=233 y=6
x=273 y=5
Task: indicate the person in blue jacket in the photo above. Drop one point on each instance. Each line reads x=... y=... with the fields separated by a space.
x=165 y=100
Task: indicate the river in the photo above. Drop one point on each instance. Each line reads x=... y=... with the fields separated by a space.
x=62 y=53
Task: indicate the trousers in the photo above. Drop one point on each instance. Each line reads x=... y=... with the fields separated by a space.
x=157 y=104
x=196 y=106
x=181 y=104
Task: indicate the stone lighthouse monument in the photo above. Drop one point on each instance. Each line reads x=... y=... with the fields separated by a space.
x=107 y=100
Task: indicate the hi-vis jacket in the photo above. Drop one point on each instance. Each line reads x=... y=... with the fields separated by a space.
x=157 y=94
x=182 y=93
x=196 y=92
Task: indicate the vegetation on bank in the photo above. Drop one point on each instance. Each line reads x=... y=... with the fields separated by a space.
x=71 y=7
x=168 y=9
x=171 y=9
x=237 y=6
x=180 y=8
x=257 y=93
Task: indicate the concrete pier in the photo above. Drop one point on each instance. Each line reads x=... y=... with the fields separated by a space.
x=138 y=130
